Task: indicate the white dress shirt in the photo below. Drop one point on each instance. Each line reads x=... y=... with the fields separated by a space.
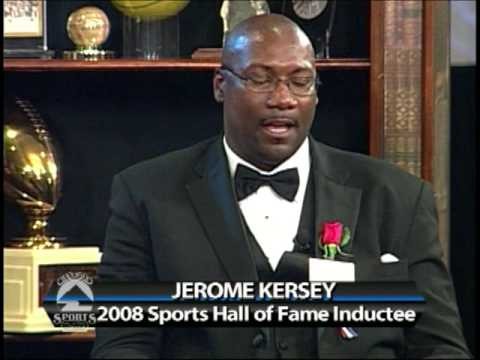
x=272 y=219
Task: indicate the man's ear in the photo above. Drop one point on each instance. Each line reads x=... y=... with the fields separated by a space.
x=218 y=86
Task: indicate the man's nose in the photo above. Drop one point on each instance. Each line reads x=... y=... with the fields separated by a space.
x=281 y=97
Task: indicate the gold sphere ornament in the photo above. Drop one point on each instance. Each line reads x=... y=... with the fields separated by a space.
x=88 y=27
x=150 y=9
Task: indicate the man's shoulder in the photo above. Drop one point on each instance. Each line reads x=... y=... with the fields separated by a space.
x=172 y=164
x=364 y=171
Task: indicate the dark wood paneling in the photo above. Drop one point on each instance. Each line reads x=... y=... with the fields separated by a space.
x=427 y=135
x=376 y=111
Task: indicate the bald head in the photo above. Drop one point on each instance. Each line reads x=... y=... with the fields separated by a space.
x=266 y=124
x=262 y=29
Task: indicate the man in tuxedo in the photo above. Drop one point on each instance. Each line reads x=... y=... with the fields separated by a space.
x=248 y=206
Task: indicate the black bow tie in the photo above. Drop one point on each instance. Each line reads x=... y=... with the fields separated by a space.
x=284 y=183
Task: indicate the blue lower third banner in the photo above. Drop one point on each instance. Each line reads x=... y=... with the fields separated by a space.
x=75 y=300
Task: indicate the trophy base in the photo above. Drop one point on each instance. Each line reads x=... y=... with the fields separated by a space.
x=207 y=53
x=28 y=53
x=88 y=55
x=28 y=275
x=36 y=243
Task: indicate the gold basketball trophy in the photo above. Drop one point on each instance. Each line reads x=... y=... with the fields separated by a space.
x=88 y=27
x=31 y=263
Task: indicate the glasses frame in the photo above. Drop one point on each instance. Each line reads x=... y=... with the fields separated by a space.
x=246 y=80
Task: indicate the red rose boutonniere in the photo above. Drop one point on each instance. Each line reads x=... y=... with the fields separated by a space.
x=332 y=237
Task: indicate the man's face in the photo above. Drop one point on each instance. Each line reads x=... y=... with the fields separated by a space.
x=267 y=128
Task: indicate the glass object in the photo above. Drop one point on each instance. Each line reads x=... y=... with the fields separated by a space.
x=151 y=40
x=323 y=43
x=150 y=27
x=299 y=85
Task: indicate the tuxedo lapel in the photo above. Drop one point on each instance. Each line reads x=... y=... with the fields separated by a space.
x=334 y=201
x=213 y=199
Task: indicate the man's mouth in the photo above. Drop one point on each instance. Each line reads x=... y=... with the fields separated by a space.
x=278 y=127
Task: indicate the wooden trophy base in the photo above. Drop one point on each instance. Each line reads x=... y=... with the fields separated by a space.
x=28 y=275
x=207 y=54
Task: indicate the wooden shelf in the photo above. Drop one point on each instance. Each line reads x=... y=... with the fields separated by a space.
x=38 y=65
x=87 y=336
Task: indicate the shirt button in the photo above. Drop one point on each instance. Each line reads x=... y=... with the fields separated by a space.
x=282 y=345
x=258 y=340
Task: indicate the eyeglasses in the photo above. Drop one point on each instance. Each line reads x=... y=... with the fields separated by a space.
x=299 y=85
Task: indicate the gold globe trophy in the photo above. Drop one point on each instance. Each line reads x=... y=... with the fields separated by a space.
x=88 y=27
x=32 y=180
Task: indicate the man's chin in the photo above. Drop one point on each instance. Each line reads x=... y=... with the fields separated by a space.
x=275 y=154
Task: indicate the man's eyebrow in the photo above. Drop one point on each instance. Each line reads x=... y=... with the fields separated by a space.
x=303 y=70
x=255 y=66
x=258 y=66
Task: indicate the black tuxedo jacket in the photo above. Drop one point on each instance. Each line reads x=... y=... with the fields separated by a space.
x=175 y=218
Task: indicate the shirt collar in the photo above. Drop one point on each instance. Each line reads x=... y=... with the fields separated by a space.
x=300 y=160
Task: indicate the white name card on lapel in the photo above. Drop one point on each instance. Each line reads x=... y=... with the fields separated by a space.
x=330 y=270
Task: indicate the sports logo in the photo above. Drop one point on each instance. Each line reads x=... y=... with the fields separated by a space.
x=74 y=300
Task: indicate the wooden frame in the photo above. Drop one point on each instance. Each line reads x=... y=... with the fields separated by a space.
x=376 y=101
x=33 y=65
x=428 y=92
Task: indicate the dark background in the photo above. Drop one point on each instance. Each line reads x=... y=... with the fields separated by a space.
x=463 y=223
x=104 y=122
